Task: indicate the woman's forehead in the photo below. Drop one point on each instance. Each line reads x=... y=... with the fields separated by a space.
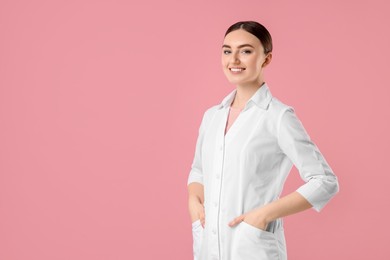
x=239 y=38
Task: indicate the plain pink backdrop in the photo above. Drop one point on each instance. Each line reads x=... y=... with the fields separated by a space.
x=100 y=104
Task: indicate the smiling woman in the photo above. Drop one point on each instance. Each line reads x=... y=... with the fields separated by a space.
x=239 y=169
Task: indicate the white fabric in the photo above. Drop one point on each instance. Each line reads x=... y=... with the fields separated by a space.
x=247 y=168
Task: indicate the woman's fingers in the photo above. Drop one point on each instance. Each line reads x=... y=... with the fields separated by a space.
x=197 y=211
x=236 y=220
x=202 y=217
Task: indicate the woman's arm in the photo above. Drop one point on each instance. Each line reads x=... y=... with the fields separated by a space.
x=195 y=178
x=321 y=183
x=260 y=217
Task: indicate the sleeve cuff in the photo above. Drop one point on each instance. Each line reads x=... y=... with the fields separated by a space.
x=194 y=177
x=316 y=195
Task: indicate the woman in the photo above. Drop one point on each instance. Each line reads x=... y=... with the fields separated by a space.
x=246 y=147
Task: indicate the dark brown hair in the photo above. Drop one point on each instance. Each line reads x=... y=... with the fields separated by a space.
x=257 y=30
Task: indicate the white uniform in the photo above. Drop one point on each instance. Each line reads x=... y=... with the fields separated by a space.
x=247 y=168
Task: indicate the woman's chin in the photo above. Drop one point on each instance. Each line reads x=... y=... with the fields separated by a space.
x=234 y=80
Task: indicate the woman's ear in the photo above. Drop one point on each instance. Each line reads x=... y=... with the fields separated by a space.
x=267 y=60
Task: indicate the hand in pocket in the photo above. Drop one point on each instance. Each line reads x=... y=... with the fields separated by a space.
x=196 y=210
x=253 y=218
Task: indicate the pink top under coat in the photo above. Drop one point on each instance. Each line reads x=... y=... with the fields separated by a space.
x=233 y=114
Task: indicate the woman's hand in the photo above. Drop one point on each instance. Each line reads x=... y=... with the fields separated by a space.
x=260 y=217
x=254 y=218
x=196 y=210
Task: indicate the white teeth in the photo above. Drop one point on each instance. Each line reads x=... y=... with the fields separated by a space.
x=236 y=69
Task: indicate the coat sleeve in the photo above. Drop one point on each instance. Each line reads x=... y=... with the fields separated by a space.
x=196 y=172
x=321 y=184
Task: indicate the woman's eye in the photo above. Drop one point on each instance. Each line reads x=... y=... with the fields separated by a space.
x=226 y=52
x=247 y=51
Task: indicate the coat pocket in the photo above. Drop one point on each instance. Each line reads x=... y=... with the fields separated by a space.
x=197 y=236
x=252 y=243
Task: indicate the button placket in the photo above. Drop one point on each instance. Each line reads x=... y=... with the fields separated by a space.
x=216 y=194
x=218 y=177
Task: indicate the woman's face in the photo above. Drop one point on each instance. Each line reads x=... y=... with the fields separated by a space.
x=243 y=58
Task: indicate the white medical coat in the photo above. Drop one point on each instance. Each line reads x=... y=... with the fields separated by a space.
x=247 y=168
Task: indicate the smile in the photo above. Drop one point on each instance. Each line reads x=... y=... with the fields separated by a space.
x=236 y=69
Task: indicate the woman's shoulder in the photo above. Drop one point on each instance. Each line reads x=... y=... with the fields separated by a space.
x=278 y=107
x=210 y=112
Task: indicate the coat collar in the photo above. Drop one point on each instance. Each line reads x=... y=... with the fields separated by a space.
x=262 y=97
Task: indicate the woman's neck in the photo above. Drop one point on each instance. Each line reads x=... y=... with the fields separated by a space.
x=244 y=93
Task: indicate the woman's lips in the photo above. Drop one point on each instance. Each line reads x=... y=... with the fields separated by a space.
x=236 y=70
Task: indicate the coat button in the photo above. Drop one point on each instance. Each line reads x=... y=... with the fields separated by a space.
x=215 y=204
x=221 y=148
x=217 y=176
x=214 y=231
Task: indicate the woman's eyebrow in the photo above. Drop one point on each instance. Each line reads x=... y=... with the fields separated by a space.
x=239 y=46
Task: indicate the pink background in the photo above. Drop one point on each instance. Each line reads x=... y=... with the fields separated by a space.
x=100 y=104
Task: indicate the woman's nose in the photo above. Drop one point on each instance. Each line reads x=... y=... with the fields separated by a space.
x=235 y=59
